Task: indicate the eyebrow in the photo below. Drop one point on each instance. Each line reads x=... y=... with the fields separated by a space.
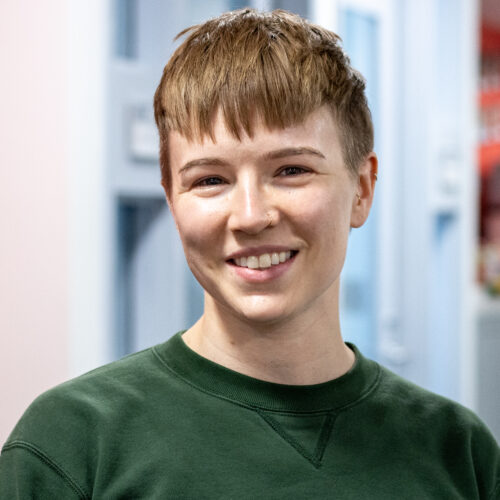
x=272 y=155
x=203 y=161
x=283 y=153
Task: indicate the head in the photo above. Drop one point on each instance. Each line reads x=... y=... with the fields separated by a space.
x=266 y=149
x=248 y=66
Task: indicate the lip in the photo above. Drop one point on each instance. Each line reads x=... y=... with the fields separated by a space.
x=249 y=251
x=262 y=275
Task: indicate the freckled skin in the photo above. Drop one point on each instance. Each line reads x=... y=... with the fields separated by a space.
x=311 y=214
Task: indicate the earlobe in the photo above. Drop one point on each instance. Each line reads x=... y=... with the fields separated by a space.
x=367 y=177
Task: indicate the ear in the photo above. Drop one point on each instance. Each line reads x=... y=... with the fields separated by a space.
x=168 y=194
x=166 y=184
x=365 y=189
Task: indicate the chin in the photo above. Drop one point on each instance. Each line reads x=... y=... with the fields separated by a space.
x=262 y=311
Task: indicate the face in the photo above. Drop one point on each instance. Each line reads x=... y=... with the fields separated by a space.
x=264 y=220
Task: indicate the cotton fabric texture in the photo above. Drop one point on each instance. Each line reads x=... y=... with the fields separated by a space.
x=168 y=423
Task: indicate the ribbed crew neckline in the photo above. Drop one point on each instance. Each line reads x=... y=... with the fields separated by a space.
x=223 y=382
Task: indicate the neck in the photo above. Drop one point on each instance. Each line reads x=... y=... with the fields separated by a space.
x=304 y=350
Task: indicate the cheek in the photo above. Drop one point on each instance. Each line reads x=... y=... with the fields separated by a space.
x=198 y=225
x=198 y=241
x=325 y=216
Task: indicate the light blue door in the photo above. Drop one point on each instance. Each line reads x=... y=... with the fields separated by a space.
x=358 y=285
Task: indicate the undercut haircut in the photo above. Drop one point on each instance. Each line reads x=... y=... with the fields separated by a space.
x=248 y=65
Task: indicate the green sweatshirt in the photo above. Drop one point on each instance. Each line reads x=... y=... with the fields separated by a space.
x=168 y=423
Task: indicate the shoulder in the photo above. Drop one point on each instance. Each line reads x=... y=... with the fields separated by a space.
x=435 y=426
x=89 y=402
x=54 y=446
x=424 y=406
x=81 y=428
x=60 y=435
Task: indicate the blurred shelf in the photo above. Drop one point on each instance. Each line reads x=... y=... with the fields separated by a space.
x=489 y=156
x=490 y=97
x=138 y=185
x=488 y=306
x=490 y=40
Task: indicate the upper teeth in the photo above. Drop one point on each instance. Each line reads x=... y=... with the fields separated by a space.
x=264 y=260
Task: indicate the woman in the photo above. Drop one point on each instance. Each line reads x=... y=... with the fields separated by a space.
x=267 y=163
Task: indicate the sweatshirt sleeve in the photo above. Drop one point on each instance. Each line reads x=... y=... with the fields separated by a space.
x=486 y=451
x=28 y=473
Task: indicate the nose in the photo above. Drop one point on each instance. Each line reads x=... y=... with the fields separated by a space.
x=252 y=208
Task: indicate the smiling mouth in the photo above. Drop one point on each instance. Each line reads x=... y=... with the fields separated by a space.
x=265 y=260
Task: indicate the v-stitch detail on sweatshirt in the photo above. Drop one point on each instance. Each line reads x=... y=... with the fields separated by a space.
x=315 y=455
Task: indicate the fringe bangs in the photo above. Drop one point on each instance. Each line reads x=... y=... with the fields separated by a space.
x=273 y=66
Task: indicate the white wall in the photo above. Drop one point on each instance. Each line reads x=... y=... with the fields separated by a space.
x=89 y=203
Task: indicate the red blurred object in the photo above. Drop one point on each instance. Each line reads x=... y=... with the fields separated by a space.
x=490 y=39
x=489 y=159
x=489 y=100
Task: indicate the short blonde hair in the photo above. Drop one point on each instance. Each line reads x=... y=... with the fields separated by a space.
x=274 y=65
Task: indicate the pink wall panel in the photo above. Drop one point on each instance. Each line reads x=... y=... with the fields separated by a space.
x=33 y=203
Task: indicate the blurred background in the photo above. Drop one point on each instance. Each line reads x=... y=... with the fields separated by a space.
x=91 y=267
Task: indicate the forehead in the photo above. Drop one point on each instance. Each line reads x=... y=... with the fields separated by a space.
x=318 y=131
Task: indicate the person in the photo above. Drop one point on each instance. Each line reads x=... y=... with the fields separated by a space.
x=266 y=154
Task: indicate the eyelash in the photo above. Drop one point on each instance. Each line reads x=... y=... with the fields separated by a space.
x=302 y=170
x=298 y=170
x=204 y=182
